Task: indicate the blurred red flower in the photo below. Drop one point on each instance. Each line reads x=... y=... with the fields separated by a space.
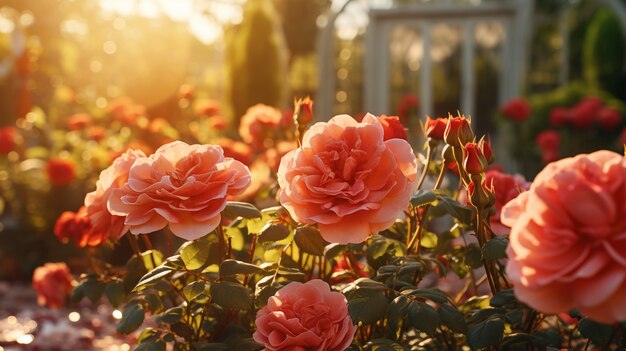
x=78 y=121
x=7 y=140
x=124 y=110
x=517 y=109
x=548 y=140
x=76 y=227
x=186 y=91
x=583 y=114
x=559 y=116
x=207 y=108
x=609 y=118
x=408 y=105
x=96 y=133
x=53 y=284
x=241 y=152
x=60 y=172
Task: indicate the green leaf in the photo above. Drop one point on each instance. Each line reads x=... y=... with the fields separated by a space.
x=473 y=256
x=599 y=333
x=332 y=250
x=384 y=345
x=148 y=335
x=211 y=346
x=454 y=208
x=423 y=198
x=231 y=295
x=429 y=240
x=151 y=346
x=423 y=317
x=382 y=250
x=547 y=338
x=132 y=318
x=93 y=289
x=366 y=305
x=503 y=298
x=195 y=253
x=194 y=289
x=78 y=293
x=432 y=294
x=153 y=276
x=485 y=334
x=171 y=316
x=396 y=312
x=114 y=291
x=273 y=231
x=452 y=318
x=233 y=267
x=183 y=330
x=310 y=240
x=152 y=259
x=495 y=248
x=241 y=209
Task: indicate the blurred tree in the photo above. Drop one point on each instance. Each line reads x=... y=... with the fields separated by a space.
x=299 y=22
x=603 y=54
x=257 y=60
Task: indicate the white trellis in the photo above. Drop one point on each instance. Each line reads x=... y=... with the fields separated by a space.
x=514 y=15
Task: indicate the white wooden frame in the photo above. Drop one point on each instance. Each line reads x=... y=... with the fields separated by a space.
x=516 y=16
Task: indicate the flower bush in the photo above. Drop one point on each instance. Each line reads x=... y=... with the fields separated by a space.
x=360 y=245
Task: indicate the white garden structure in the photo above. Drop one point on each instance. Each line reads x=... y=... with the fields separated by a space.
x=514 y=18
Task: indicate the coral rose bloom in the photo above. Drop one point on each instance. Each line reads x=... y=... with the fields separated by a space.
x=347 y=179
x=259 y=123
x=112 y=178
x=305 y=317
x=568 y=239
x=182 y=185
x=53 y=283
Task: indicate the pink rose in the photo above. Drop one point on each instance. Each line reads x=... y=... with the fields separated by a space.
x=182 y=185
x=53 y=283
x=259 y=124
x=305 y=317
x=112 y=178
x=568 y=238
x=347 y=179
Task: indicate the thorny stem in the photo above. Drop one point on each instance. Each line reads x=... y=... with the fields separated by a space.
x=132 y=239
x=429 y=155
x=250 y=257
x=417 y=237
x=480 y=234
x=280 y=259
x=148 y=244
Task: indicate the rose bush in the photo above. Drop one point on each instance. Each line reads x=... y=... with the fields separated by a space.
x=347 y=247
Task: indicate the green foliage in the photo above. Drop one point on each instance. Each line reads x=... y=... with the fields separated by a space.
x=604 y=51
x=257 y=59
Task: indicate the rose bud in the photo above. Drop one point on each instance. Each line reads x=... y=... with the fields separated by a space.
x=392 y=127
x=474 y=161
x=435 y=128
x=458 y=131
x=303 y=110
x=485 y=146
x=480 y=196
